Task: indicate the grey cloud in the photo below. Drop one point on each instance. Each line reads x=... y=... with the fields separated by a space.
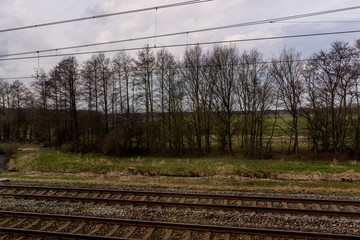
x=4 y=46
x=204 y=15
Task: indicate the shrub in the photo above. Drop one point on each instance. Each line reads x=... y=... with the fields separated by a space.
x=9 y=149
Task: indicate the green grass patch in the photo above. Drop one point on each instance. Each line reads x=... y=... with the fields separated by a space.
x=283 y=176
x=46 y=160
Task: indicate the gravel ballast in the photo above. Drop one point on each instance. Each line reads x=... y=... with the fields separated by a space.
x=293 y=222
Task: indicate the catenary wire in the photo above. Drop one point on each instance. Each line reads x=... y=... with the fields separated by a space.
x=237 y=25
x=321 y=21
x=181 y=66
x=16 y=78
x=178 y=4
x=186 y=44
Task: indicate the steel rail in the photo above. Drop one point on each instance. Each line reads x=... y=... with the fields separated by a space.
x=185 y=205
x=28 y=232
x=167 y=225
x=193 y=195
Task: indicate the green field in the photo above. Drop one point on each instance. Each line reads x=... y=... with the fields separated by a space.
x=46 y=160
x=230 y=173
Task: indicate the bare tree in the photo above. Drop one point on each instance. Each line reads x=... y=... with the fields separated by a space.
x=69 y=74
x=287 y=73
x=5 y=92
x=255 y=98
x=96 y=81
x=4 y=96
x=89 y=79
x=166 y=69
x=336 y=73
x=104 y=83
x=154 y=104
x=123 y=66
x=356 y=93
x=224 y=62
x=42 y=90
x=144 y=67
x=198 y=95
x=57 y=104
x=313 y=109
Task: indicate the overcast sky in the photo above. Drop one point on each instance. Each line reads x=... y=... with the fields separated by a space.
x=17 y=13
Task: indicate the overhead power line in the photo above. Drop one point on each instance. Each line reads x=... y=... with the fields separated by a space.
x=178 y=4
x=270 y=20
x=270 y=61
x=186 y=44
x=16 y=78
x=322 y=21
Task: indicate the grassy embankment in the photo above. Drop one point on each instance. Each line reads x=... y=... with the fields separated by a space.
x=54 y=167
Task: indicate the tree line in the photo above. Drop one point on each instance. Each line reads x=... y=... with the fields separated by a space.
x=218 y=100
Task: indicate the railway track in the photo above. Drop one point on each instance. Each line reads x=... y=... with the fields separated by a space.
x=48 y=226
x=185 y=200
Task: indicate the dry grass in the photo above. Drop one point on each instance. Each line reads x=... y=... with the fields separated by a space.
x=348 y=176
x=223 y=183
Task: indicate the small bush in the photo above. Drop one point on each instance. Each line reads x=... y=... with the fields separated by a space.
x=9 y=149
x=70 y=147
x=261 y=173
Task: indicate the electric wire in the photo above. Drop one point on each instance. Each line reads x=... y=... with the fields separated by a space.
x=185 y=45
x=181 y=66
x=237 y=25
x=323 y=21
x=16 y=78
x=178 y=4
